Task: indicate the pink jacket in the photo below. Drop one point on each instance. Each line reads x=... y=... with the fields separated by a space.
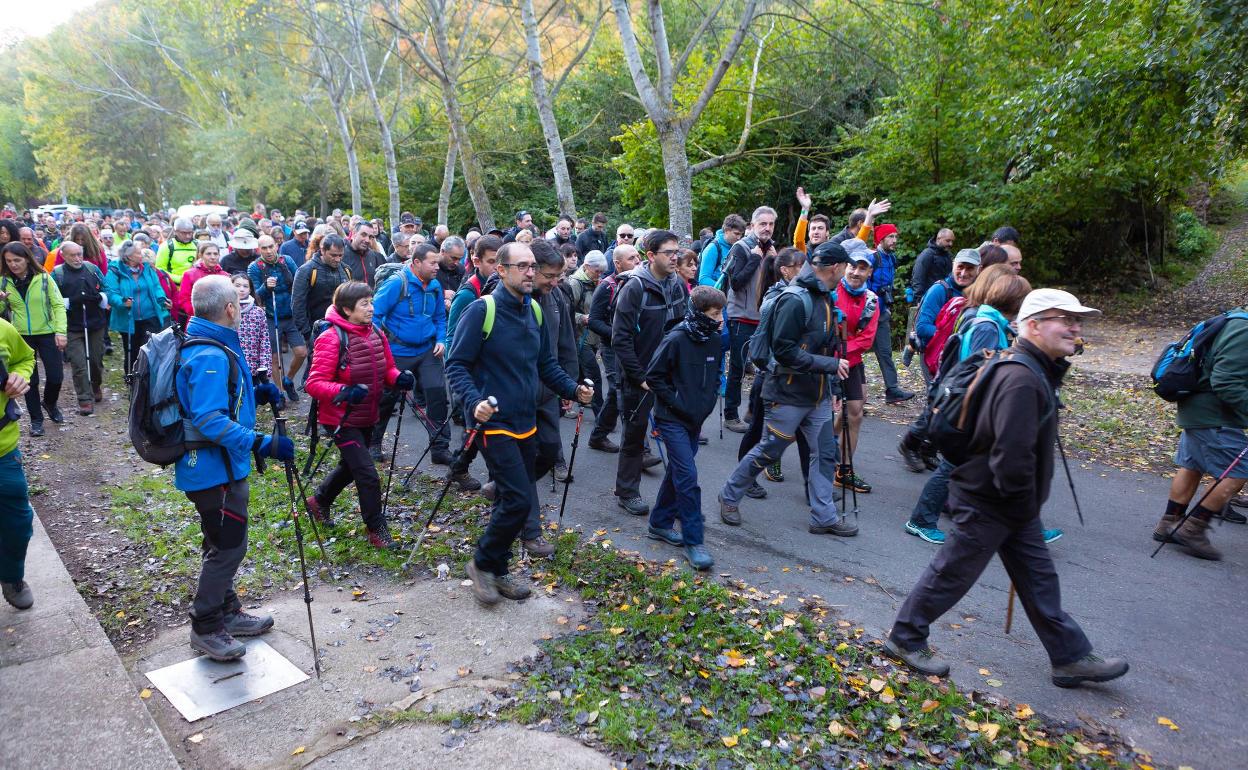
x=366 y=361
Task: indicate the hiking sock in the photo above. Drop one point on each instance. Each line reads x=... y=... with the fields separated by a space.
x=1203 y=513
x=1175 y=509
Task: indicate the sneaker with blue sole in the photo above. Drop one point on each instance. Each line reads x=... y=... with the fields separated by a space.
x=668 y=535
x=928 y=535
x=1051 y=535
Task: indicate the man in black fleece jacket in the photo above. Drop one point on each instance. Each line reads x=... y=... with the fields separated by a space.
x=995 y=498
x=601 y=313
x=646 y=305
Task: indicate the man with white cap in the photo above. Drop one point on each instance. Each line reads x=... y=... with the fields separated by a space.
x=243 y=247
x=995 y=497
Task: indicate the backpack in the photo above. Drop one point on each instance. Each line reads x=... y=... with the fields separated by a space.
x=157 y=422
x=491 y=308
x=1180 y=367
x=759 y=352
x=946 y=319
x=955 y=400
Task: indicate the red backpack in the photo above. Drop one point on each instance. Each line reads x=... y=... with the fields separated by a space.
x=946 y=319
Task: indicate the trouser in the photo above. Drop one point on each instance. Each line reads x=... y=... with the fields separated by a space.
x=610 y=413
x=739 y=333
x=512 y=467
x=635 y=406
x=783 y=422
x=132 y=342
x=223 y=522
x=463 y=460
x=588 y=359
x=754 y=433
x=16 y=518
x=968 y=548
x=46 y=353
x=427 y=369
x=549 y=452
x=355 y=464
x=84 y=381
x=680 y=497
x=932 y=499
x=883 y=349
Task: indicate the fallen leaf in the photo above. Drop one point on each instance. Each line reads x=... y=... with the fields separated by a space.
x=842 y=647
x=464 y=671
x=562 y=620
x=616 y=631
x=1002 y=757
x=836 y=729
x=120 y=614
x=993 y=682
x=887 y=695
x=1022 y=711
x=876 y=685
x=196 y=738
x=729 y=740
x=1080 y=749
x=298 y=751
x=990 y=729
x=894 y=723
x=146 y=693
x=985 y=672
x=706 y=712
x=929 y=706
x=1166 y=721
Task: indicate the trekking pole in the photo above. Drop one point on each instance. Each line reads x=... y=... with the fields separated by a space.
x=576 y=439
x=658 y=442
x=277 y=342
x=847 y=464
x=280 y=427
x=394 y=452
x=437 y=432
x=1074 y=495
x=303 y=492
x=86 y=345
x=333 y=437
x=1009 y=609
x=1201 y=501
x=472 y=435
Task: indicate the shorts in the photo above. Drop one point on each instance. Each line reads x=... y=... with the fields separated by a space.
x=855 y=386
x=1212 y=450
x=287 y=329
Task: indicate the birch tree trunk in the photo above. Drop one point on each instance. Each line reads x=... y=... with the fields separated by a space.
x=448 y=180
x=379 y=114
x=546 y=111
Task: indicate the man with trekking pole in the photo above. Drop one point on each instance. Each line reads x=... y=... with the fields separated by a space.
x=996 y=493
x=82 y=286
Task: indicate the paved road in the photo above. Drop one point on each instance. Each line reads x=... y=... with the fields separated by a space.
x=1177 y=619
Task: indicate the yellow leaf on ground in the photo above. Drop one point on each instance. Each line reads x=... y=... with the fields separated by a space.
x=145 y=694
x=887 y=696
x=729 y=740
x=1022 y=711
x=842 y=647
x=616 y=631
x=562 y=620
x=876 y=685
x=836 y=729
x=706 y=712
x=990 y=729
x=1081 y=750
x=298 y=751
x=1166 y=721
x=985 y=672
x=894 y=723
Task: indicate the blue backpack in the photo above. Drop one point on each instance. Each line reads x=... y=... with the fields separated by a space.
x=1178 y=370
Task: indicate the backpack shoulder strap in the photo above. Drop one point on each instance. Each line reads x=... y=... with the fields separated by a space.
x=342 y=347
x=537 y=311
x=312 y=278
x=231 y=377
x=487 y=325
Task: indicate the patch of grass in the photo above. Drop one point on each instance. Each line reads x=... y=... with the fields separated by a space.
x=1117 y=420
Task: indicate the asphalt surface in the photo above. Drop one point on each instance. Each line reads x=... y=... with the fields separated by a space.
x=1178 y=620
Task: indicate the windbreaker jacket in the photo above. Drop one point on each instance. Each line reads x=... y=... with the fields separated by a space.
x=183 y=302
x=41 y=311
x=18 y=358
x=83 y=288
x=804 y=348
x=283 y=269
x=415 y=322
x=684 y=377
x=310 y=299
x=144 y=289
x=859 y=337
x=367 y=361
x=175 y=258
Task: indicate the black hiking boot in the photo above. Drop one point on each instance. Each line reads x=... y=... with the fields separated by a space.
x=922 y=660
x=18 y=594
x=245 y=624
x=218 y=645
x=1090 y=668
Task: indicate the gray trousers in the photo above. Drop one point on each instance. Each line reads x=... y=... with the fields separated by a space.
x=223 y=522
x=77 y=351
x=883 y=349
x=781 y=425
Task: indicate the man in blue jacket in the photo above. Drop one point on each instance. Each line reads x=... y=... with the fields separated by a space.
x=711 y=260
x=410 y=309
x=296 y=247
x=215 y=390
x=273 y=276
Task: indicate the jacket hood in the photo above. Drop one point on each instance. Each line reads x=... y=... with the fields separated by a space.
x=199 y=265
x=643 y=272
x=334 y=317
x=580 y=275
x=808 y=280
x=931 y=244
x=991 y=313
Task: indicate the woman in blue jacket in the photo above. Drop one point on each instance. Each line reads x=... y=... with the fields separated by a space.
x=138 y=305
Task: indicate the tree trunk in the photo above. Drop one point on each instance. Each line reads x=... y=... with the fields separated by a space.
x=353 y=162
x=448 y=180
x=679 y=180
x=379 y=114
x=546 y=112
x=469 y=163
x=231 y=190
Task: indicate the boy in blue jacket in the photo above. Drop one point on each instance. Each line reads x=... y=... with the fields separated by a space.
x=273 y=275
x=684 y=377
x=220 y=433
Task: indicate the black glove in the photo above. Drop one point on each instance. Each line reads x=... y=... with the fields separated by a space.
x=268 y=393
x=405 y=381
x=352 y=394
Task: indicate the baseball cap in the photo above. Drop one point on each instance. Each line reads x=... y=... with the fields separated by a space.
x=857 y=250
x=827 y=254
x=301 y=226
x=1040 y=300
x=967 y=257
x=406 y=218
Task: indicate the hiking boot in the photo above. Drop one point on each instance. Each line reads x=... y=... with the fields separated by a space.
x=1051 y=535
x=218 y=645
x=898 y=395
x=922 y=660
x=292 y=394
x=774 y=473
x=926 y=534
x=509 y=589
x=729 y=513
x=466 y=482
x=36 y=428
x=378 y=454
x=483 y=585
x=54 y=412
x=97 y=394
x=854 y=482
x=539 y=547
x=380 y=538
x=560 y=471
x=604 y=444
x=441 y=456
x=1194 y=537
x=245 y=624
x=841 y=528
x=318 y=511
x=650 y=459
x=488 y=490
x=18 y=594
x=1161 y=533
x=667 y=535
x=912 y=458
x=755 y=490
x=86 y=408
x=735 y=425
x=699 y=557
x=1089 y=668
x=634 y=505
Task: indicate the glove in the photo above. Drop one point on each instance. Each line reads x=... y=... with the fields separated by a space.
x=268 y=393
x=352 y=394
x=277 y=447
x=909 y=295
x=405 y=381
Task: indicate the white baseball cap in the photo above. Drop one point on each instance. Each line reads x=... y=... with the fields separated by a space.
x=1039 y=300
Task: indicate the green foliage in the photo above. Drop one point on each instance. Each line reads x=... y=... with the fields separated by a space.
x=1192 y=240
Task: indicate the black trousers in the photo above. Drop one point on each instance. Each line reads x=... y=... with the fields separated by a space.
x=635 y=406
x=46 y=353
x=610 y=414
x=223 y=522
x=430 y=381
x=132 y=342
x=969 y=546
x=355 y=464
x=512 y=464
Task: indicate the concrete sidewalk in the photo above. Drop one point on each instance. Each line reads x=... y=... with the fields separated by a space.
x=65 y=697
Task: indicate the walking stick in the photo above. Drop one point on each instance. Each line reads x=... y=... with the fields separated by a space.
x=847 y=460
x=1009 y=609
x=424 y=418
x=277 y=342
x=1200 y=502
x=86 y=346
x=280 y=426
x=472 y=435
x=303 y=492
x=394 y=452
x=576 y=439
x=1074 y=495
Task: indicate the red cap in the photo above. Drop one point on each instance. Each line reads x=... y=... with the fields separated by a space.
x=883 y=231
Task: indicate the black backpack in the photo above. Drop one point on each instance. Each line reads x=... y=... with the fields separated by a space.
x=956 y=399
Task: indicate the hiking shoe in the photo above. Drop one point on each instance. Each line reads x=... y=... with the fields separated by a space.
x=378 y=454
x=774 y=473
x=218 y=645
x=926 y=534
x=292 y=394
x=488 y=490
x=1089 y=668
x=922 y=660
x=1227 y=515
x=97 y=394
x=604 y=444
x=1194 y=537
x=756 y=491
x=735 y=425
x=466 y=482
x=54 y=412
x=1161 y=533
x=36 y=428
x=318 y=511
x=441 y=456
x=650 y=459
x=560 y=471
x=1052 y=535
x=667 y=535
x=912 y=458
x=483 y=586
x=898 y=395
x=18 y=594
x=380 y=538
x=841 y=528
x=510 y=589
x=698 y=557
x=539 y=547
x=854 y=482
x=245 y=624
x=86 y=408
x=634 y=505
x=729 y=513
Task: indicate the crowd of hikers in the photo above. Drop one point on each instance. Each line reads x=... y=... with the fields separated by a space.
x=505 y=332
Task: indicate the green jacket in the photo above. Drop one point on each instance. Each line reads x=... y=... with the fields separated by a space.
x=179 y=261
x=19 y=359
x=1222 y=401
x=42 y=311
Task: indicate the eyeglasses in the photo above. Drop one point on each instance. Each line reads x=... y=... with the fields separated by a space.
x=668 y=252
x=1069 y=321
x=623 y=235
x=524 y=267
